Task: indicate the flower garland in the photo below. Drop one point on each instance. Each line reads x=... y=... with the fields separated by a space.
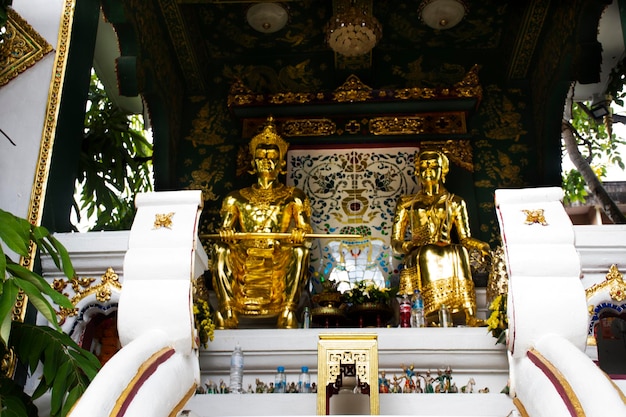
x=498 y=322
x=204 y=321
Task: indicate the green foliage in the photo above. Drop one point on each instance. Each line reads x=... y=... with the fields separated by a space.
x=574 y=187
x=115 y=162
x=368 y=292
x=4 y=5
x=67 y=369
x=596 y=146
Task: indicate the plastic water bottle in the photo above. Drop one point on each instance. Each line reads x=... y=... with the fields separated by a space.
x=304 y=383
x=417 y=310
x=280 y=382
x=306 y=318
x=405 y=311
x=445 y=318
x=236 y=371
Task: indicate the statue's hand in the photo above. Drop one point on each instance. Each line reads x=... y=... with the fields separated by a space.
x=297 y=236
x=227 y=235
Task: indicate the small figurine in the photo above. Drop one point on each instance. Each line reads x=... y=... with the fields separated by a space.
x=469 y=387
x=314 y=387
x=396 y=385
x=418 y=385
x=223 y=387
x=270 y=389
x=428 y=383
x=383 y=383
x=291 y=389
x=260 y=386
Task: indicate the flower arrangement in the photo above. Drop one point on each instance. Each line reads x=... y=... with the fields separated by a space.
x=368 y=292
x=204 y=321
x=498 y=322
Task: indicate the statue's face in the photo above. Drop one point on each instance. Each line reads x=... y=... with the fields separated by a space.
x=267 y=161
x=430 y=169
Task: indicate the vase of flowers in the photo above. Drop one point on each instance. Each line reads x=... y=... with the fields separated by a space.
x=369 y=305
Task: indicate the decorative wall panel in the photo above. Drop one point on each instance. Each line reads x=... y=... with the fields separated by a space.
x=353 y=191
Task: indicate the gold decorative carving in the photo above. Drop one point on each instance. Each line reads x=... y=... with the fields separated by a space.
x=35 y=208
x=309 y=127
x=291 y=98
x=535 y=217
x=163 y=220
x=441 y=123
x=614 y=283
x=83 y=287
x=22 y=47
x=352 y=90
x=469 y=86
x=338 y=352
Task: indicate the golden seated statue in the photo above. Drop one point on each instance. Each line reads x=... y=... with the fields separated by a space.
x=260 y=263
x=435 y=264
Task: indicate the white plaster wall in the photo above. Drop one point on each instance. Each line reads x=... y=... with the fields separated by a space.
x=22 y=109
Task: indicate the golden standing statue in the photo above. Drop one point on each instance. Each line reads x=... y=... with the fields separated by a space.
x=261 y=276
x=434 y=263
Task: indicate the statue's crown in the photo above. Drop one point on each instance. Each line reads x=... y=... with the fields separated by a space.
x=269 y=136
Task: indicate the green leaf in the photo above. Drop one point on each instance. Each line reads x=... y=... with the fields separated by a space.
x=7 y=301
x=40 y=284
x=14 y=232
x=74 y=367
x=68 y=268
x=36 y=299
x=14 y=402
x=3 y=264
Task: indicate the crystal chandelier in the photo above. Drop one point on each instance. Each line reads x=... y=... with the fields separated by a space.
x=353 y=32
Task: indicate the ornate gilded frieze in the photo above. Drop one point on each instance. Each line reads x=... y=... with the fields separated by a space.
x=353 y=90
x=21 y=47
x=409 y=125
x=309 y=127
x=435 y=123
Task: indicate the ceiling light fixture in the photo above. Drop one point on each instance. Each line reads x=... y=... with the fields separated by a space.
x=267 y=17
x=352 y=31
x=442 y=14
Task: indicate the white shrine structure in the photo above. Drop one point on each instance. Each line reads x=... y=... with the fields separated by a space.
x=549 y=362
x=562 y=278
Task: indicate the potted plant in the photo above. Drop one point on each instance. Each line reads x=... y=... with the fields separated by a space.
x=369 y=304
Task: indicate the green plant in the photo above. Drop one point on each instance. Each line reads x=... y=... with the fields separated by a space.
x=591 y=146
x=368 y=292
x=67 y=369
x=115 y=162
x=4 y=6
